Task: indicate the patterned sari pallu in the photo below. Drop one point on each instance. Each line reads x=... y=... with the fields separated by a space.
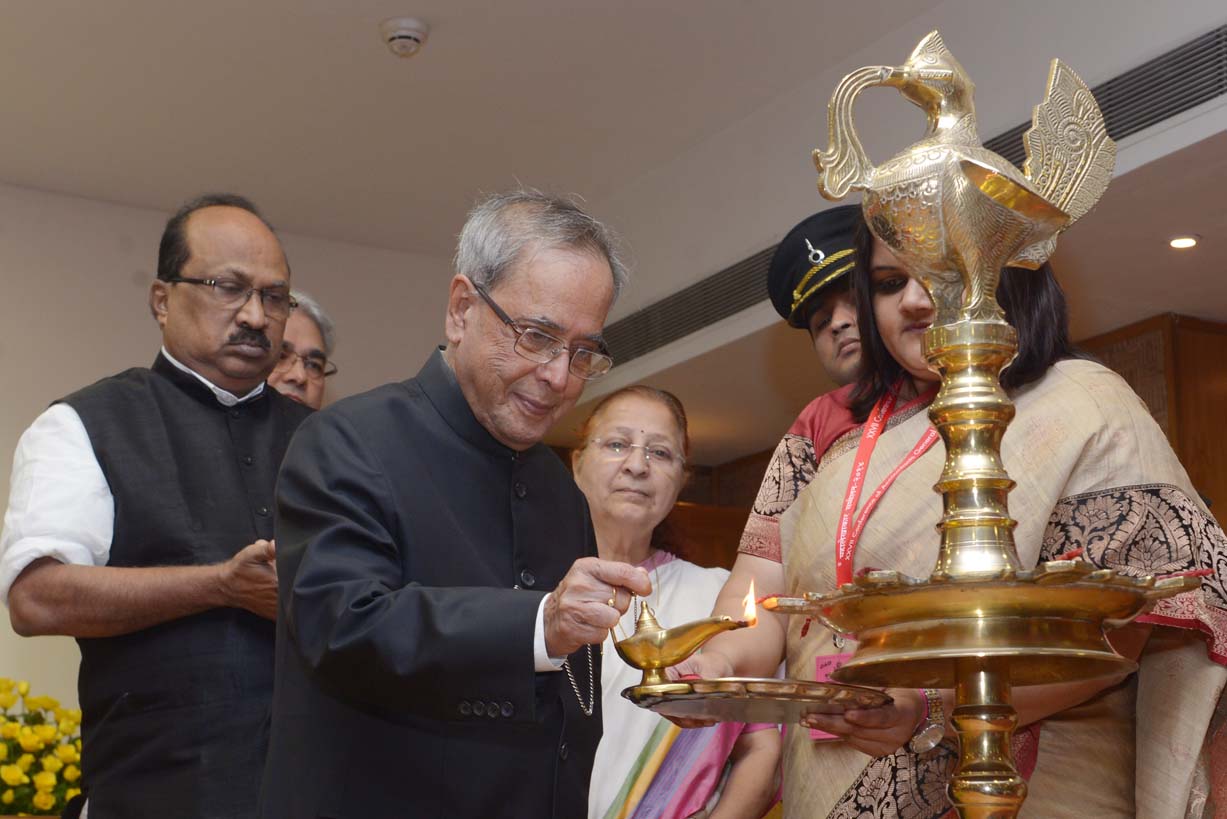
x=1094 y=472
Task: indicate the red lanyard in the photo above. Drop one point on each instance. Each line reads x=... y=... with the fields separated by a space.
x=849 y=531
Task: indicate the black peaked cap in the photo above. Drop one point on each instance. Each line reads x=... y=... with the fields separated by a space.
x=814 y=254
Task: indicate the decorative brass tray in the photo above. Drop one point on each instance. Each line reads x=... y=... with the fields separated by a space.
x=1049 y=621
x=753 y=699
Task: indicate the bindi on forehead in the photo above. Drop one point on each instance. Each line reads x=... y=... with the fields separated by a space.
x=647 y=434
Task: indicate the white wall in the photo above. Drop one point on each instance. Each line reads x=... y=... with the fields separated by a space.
x=74 y=275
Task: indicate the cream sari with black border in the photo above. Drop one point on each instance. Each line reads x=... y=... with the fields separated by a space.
x=1094 y=471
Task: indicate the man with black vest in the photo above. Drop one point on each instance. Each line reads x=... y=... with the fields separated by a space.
x=442 y=607
x=140 y=522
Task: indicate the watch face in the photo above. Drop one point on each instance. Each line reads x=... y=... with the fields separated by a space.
x=927 y=739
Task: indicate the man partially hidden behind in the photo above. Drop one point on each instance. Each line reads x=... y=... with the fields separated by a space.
x=422 y=668
x=140 y=522
x=809 y=281
x=306 y=353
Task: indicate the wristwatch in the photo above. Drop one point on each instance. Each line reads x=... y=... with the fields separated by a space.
x=933 y=727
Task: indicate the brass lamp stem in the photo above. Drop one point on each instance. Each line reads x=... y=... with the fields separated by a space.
x=986 y=784
x=971 y=411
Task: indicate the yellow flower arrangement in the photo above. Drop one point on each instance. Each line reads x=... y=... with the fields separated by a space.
x=40 y=751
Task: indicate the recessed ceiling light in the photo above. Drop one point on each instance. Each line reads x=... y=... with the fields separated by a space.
x=1182 y=242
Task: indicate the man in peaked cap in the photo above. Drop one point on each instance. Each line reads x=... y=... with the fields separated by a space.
x=810 y=285
x=809 y=281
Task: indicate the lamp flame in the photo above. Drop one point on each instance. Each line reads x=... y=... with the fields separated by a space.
x=751 y=611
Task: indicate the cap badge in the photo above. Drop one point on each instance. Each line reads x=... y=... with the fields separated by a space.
x=815 y=255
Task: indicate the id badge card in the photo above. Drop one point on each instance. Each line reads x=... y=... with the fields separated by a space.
x=824 y=666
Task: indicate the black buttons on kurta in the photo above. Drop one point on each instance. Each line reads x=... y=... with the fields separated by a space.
x=528 y=579
x=248 y=460
x=235 y=413
x=562 y=751
x=490 y=710
x=262 y=511
x=521 y=490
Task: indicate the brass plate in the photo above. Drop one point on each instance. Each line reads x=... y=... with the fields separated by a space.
x=753 y=699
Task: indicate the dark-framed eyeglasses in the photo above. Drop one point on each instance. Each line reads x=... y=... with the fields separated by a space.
x=541 y=347
x=316 y=368
x=231 y=294
x=617 y=449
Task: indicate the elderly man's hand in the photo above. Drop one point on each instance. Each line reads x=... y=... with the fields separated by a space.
x=589 y=601
x=249 y=579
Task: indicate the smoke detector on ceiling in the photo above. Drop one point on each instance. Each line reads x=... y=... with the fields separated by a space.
x=404 y=36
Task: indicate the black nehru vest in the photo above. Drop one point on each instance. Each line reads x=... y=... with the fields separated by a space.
x=175 y=718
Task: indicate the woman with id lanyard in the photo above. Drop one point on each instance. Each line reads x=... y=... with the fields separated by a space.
x=1094 y=473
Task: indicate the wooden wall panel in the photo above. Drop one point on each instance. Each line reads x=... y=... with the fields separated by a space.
x=736 y=482
x=704 y=534
x=1201 y=397
x=1178 y=365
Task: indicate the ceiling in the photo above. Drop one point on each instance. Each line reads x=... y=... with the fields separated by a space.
x=299 y=105
x=1116 y=265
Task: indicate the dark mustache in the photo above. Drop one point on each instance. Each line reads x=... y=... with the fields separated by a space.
x=249 y=336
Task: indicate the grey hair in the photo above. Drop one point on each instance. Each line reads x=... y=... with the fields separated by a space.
x=312 y=308
x=502 y=226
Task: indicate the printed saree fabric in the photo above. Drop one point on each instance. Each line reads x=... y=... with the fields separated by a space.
x=646 y=767
x=1093 y=471
x=792 y=467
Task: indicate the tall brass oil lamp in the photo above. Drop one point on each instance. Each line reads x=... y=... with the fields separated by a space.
x=954 y=214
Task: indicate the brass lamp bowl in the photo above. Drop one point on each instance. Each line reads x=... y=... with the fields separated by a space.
x=1049 y=620
x=652 y=648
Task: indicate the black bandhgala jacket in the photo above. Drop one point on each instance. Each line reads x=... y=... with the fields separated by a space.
x=413 y=550
x=175 y=717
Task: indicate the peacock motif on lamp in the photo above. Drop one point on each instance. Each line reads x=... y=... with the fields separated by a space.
x=952 y=211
